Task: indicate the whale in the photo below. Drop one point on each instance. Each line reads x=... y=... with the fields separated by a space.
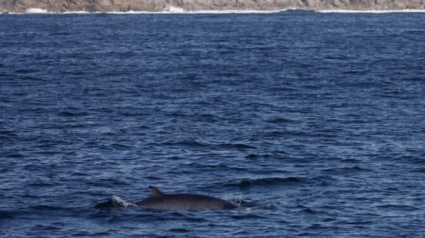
x=183 y=201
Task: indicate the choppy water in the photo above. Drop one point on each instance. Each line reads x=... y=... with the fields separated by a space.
x=314 y=123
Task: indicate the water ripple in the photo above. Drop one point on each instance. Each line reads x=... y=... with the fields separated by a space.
x=313 y=123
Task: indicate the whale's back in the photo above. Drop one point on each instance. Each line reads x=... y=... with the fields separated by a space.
x=185 y=201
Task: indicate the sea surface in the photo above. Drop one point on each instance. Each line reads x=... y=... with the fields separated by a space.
x=313 y=123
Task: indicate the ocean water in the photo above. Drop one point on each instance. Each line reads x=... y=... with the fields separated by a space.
x=313 y=123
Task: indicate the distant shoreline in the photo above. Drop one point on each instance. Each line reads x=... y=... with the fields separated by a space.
x=208 y=6
x=43 y=11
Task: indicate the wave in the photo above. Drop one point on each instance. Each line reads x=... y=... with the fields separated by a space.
x=196 y=144
x=6 y=215
x=282 y=181
x=373 y=11
x=269 y=182
x=170 y=10
x=36 y=11
x=180 y=10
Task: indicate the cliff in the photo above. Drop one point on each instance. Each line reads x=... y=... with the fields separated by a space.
x=205 y=5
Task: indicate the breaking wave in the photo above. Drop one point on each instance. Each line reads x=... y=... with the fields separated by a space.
x=36 y=11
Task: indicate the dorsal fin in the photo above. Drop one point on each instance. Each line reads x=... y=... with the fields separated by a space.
x=155 y=192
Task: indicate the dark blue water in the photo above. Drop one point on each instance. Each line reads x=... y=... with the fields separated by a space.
x=313 y=123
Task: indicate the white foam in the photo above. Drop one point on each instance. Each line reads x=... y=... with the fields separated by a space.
x=77 y=12
x=373 y=11
x=234 y=11
x=36 y=11
x=237 y=201
x=182 y=11
x=172 y=9
x=119 y=202
x=238 y=11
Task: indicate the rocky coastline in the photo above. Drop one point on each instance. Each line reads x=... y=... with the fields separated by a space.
x=57 y=6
